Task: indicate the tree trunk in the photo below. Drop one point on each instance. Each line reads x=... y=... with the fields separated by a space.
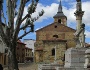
x=12 y=60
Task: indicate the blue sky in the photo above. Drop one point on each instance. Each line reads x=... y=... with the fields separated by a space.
x=51 y=6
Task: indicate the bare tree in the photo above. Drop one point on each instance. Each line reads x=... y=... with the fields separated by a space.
x=9 y=33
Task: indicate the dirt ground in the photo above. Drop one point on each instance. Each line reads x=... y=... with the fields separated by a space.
x=27 y=66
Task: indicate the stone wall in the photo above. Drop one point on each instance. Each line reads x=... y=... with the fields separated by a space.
x=57 y=67
x=60 y=48
x=38 y=56
x=47 y=33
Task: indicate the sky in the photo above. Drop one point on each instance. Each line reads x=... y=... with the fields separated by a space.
x=50 y=8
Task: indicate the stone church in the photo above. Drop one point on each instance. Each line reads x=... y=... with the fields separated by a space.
x=53 y=40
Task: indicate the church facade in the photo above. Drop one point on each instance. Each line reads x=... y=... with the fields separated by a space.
x=53 y=40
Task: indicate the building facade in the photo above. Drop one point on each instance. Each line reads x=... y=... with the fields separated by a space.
x=3 y=55
x=53 y=40
x=28 y=54
x=29 y=43
x=3 y=51
x=20 y=51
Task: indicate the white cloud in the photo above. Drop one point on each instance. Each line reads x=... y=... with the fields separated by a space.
x=65 y=0
x=50 y=11
x=24 y=13
x=87 y=33
x=70 y=13
x=86 y=7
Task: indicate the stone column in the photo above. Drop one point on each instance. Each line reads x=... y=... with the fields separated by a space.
x=79 y=13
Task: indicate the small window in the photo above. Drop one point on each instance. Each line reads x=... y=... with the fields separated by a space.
x=55 y=26
x=59 y=20
x=53 y=52
x=32 y=53
x=56 y=36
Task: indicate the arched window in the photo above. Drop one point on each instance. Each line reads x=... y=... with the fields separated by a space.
x=56 y=36
x=53 y=52
x=59 y=20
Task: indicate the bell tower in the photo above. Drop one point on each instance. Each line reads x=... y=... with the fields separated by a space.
x=60 y=17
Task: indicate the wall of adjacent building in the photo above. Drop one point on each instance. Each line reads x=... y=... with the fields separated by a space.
x=29 y=43
x=20 y=52
x=3 y=55
x=28 y=54
x=2 y=46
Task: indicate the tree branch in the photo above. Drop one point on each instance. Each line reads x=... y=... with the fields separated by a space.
x=25 y=18
x=3 y=17
x=19 y=20
x=28 y=23
x=2 y=34
x=24 y=35
x=19 y=17
x=9 y=11
x=32 y=20
x=14 y=3
x=31 y=9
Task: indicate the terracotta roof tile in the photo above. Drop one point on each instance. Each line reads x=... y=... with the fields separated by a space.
x=39 y=49
x=28 y=48
x=19 y=41
x=87 y=45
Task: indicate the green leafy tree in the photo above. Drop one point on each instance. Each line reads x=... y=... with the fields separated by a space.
x=9 y=30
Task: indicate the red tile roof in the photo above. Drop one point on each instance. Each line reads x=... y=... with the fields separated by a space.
x=39 y=49
x=87 y=45
x=19 y=41
x=28 y=48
